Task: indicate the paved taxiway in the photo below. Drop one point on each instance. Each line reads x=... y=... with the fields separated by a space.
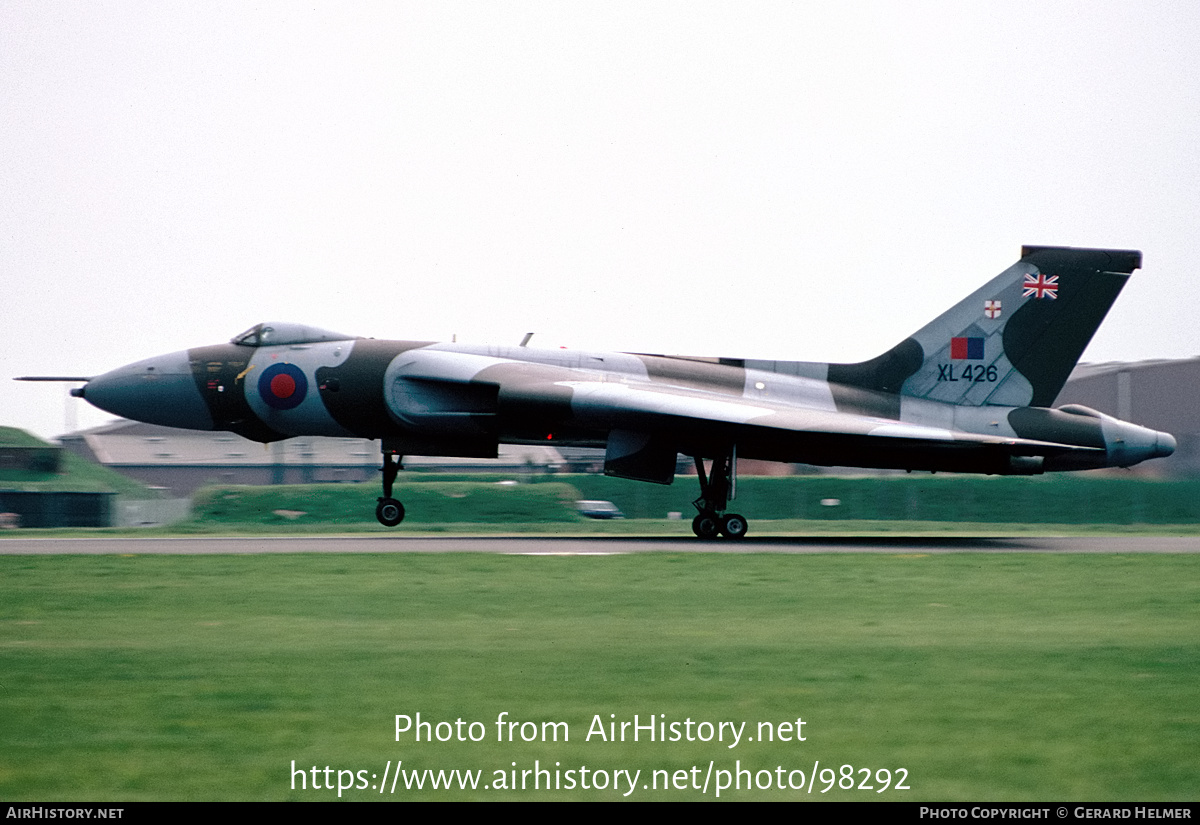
x=593 y=545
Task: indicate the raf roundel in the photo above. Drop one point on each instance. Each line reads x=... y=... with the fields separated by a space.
x=282 y=386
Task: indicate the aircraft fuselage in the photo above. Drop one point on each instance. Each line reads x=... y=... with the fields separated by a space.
x=459 y=399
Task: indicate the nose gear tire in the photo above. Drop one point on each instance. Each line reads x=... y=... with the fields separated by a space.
x=389 y=511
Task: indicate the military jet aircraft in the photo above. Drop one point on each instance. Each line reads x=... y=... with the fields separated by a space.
x=969 y=392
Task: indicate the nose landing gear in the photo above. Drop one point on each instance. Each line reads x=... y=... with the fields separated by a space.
x=389 y=511
x=716 y=488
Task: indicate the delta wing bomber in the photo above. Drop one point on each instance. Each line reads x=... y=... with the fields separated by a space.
x=970 y=392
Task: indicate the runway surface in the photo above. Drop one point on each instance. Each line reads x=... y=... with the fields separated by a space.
x=593 y=546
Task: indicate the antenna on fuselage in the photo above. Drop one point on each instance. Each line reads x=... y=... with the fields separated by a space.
x=525 y=340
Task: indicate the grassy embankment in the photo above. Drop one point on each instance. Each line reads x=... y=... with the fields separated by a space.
x=807 y=504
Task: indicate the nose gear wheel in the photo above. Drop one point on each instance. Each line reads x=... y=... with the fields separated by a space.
x=390 y=511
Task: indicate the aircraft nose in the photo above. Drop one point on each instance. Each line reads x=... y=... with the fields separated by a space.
x=158 y=391
x=1164 y=445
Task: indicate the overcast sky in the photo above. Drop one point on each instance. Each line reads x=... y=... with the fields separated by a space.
x=798 y=180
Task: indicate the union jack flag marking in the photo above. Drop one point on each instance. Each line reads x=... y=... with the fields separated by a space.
x=991 y=309
x=1040 y=286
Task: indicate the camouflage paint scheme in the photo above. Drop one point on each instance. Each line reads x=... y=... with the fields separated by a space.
x=969 y=392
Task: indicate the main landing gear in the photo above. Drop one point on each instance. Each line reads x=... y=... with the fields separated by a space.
x=716 y=488
x=389 y=511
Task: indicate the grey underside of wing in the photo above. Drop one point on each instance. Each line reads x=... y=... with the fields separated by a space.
x=656 y=408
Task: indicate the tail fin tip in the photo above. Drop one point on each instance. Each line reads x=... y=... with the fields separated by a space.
x=1102 y=260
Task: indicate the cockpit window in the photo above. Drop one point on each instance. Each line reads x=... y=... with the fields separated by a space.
x=283 y=334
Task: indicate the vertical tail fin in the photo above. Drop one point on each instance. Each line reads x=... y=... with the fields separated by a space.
x=1014 y=341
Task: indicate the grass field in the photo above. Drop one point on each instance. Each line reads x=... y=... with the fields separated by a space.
x=984 y=677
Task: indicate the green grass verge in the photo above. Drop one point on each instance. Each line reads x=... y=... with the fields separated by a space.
x=436 y=503
x=762 y=528
x=986 y=677
x=431 y=498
